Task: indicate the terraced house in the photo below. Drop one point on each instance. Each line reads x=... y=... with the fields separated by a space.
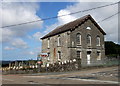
x=82 y=38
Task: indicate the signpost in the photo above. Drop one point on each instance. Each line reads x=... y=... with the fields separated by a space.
x=39 y=60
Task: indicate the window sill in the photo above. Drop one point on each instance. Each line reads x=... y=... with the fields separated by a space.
x=58 y=46
x=98 y=45
x=78 y=44
x=89 y=46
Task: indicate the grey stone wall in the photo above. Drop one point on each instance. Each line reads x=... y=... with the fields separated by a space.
x=94 y=32
x=54 y=48
x=69 y=48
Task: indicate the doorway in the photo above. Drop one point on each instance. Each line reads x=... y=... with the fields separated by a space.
x=88 y=57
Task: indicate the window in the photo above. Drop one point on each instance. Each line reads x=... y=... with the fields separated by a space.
x=88 y=28
x=88 y=40
x=78 y=39
x=72 y=44
x=59 y=41
x=103 y=46
x=78 y=54
x=98 y=55
x=59 y=55
x=48 y=42
x=48 y=55
x=98 y=41
x=88 y=57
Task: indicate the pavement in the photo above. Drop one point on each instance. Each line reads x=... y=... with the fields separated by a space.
x=107 y=75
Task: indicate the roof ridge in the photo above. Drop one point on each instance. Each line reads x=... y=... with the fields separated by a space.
x=70 y=25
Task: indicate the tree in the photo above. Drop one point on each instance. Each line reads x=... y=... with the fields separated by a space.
x=112 y=49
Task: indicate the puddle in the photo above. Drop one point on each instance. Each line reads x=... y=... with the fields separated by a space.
x=32 y=82
x=101 y=72
x=79 y=77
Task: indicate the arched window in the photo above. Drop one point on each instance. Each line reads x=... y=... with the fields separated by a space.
x=59 y=41
x=98 y=55
x=98 y=41
x=78 y=39
x=48 y=55
x=88 y=28
x=88 y=40
x=48 y=42
x=59 y=55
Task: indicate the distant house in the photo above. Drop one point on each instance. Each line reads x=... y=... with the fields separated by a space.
x=82 y=38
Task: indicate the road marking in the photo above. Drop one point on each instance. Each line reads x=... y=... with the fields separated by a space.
x=112 y=82
x=7 y=79
x=33 y=83
x=35 y=76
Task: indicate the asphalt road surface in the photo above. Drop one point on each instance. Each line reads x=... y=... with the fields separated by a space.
x=107 y=75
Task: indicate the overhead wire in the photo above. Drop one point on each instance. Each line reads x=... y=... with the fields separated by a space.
x=60 y=15
x=108 y=17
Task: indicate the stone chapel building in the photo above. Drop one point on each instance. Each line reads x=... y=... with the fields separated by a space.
x=82 y=38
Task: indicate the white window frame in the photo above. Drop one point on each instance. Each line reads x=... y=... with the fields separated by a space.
x=79 y=54
x=59 y=55
x=72 y=43
x=90 y=40
x=88 y=59
x=99 y=56
x=58 y=41
x=98 y=40
x=89 y=36
x=79 y=39
x=88 y=28
x=48 y=42
x=48 y=56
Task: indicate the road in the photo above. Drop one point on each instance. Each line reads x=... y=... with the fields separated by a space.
x=107 y=75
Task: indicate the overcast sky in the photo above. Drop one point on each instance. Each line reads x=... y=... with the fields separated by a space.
x=22 y=42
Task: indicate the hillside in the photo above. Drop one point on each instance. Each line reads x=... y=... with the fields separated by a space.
x=112 y=49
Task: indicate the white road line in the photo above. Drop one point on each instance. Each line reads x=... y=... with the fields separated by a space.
x=33 y=83
x=7 y=79
x=112 y=82
x=34 y=76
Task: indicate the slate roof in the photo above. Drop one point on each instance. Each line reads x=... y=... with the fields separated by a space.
x=72 y=25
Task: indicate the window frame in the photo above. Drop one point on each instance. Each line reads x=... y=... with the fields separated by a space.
x=48 y=43
x=98 y=55
x=88 y=38
x=59 y=55
x=78 y=53
x=59 y=41
x=98 y=41
x=78 y=39
x=48 y=56
x=88 y=28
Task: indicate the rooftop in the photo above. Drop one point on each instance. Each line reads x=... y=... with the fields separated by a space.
x=72 y=25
